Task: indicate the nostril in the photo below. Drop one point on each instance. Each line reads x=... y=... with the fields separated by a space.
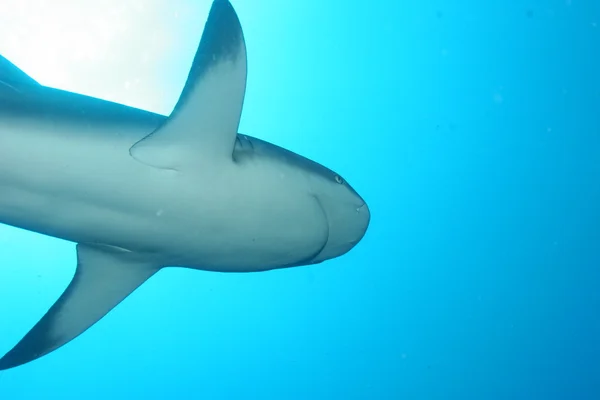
x=362 y=208
x=365 y=214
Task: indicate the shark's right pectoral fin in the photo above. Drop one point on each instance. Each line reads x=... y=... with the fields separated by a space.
x=104 y=277
x=205 y=120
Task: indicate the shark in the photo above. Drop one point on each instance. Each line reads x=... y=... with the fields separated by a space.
x=137 y=192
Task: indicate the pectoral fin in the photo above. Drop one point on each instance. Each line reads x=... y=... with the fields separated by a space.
x=104 y=277
x=205 y=120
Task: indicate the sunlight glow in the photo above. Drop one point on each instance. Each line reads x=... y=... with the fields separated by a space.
x=135 y=52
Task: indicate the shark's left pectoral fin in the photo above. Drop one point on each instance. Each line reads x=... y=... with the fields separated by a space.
x=205 y=121
x=104 y=277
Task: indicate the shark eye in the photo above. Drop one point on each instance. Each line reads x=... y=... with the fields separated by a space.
x=339 y=179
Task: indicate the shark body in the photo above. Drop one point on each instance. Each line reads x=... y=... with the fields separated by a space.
x=139 y=192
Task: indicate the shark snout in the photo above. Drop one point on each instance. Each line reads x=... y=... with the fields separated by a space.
x=363 y=221
x=347 y=226
x=364 y=209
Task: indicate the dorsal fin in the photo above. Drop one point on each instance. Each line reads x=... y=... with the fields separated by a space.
x=12 y=75
x=205 y=120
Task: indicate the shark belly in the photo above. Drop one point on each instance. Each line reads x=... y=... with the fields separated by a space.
x=74 y=182
x=79 y=183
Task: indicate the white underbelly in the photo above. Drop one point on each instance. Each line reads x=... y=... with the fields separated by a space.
x=76 y=184
x=81 y=213
x=85 y=188
x=221 y=234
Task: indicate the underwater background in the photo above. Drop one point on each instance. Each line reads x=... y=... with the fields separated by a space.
x=472 y=129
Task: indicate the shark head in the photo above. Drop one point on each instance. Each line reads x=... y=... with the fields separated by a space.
x=346 y=212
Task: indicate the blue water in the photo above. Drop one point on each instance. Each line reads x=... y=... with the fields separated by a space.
x=472 y=129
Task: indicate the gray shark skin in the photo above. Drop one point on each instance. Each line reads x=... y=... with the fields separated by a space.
x=10 y=73
x=139 y=192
